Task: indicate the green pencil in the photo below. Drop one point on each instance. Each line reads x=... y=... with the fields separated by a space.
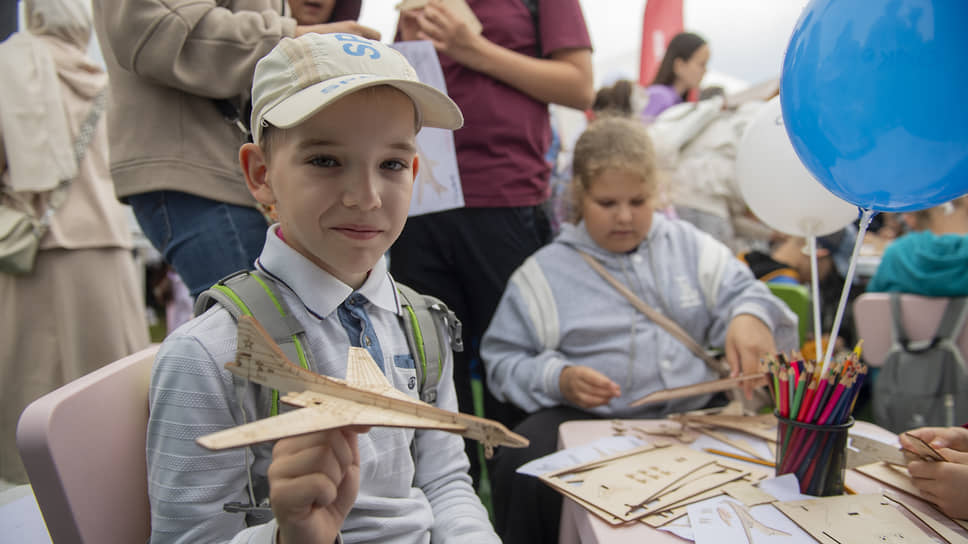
x=798 y=396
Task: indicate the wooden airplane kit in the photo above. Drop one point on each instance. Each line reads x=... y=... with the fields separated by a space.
x=365 y=397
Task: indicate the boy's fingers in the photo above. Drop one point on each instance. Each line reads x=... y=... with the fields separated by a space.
x=319 y=460
x=298 y=496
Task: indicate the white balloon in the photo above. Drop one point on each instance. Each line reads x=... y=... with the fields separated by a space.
x=778 y=188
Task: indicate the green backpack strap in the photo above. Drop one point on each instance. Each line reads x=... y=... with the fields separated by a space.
x=426 y=340
x=249 y=293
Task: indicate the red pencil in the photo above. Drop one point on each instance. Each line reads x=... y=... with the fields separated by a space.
x=784 y=394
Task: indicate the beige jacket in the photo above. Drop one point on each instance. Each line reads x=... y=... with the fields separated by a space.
x=90 y=217
x=167 y=60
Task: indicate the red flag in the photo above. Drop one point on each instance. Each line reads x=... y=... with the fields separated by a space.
x=662 y=21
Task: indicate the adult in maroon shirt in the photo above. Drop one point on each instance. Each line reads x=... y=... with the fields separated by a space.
x=503 y=80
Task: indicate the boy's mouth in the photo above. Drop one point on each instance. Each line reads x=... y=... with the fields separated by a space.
x=358 y=232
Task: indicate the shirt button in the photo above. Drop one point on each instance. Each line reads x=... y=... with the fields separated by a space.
x=366 y=340
x=636 y=258
x=666 y=364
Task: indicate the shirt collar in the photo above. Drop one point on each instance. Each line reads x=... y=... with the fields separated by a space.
x=319 y=291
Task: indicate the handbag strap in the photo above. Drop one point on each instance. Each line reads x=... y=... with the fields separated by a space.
x=59 y=194
x=669 y=325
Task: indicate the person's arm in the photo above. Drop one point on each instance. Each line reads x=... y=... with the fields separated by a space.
x=441 y=473
x=519 y=347
x=747 y=319
x=195 y=45
x=565 y=78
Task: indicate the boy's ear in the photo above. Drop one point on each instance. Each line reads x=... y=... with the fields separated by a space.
x=254 y=167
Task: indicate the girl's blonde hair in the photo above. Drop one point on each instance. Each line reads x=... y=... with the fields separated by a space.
x=613 y=143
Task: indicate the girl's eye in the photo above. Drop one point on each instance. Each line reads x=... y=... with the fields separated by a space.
x=637 y=202
x=393 y=164
x=323 y=162
x=606 y=203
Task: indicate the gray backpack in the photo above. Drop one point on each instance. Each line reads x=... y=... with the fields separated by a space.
x=249 y=292
x=923 y=383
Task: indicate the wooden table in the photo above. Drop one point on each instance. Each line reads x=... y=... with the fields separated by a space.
x=579 y=526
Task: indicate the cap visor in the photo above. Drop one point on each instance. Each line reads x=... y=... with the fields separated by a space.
x=436 y=108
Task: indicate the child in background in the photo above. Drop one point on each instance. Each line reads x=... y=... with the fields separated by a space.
x=943 y=483
x=682 y=69
x=565 y=344
x=334 y=121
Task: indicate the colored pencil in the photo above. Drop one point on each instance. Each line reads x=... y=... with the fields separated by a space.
x=740 y=457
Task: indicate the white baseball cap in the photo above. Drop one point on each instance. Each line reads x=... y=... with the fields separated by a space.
x=301 y=76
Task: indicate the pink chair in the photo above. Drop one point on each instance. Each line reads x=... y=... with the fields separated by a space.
x=920 y=316
x=83 y=446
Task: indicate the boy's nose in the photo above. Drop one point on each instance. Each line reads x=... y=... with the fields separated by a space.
x=362 y=193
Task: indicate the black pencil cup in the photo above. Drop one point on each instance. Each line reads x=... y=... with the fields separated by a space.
x=817 y=454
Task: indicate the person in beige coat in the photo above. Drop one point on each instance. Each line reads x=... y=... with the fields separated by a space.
x=177 y=68
x=82 y=305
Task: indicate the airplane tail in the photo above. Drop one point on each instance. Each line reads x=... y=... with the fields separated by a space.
x=259 y=359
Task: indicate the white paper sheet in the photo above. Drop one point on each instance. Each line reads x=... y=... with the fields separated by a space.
x=603 y=447
x=437 y=186
x=724 y=520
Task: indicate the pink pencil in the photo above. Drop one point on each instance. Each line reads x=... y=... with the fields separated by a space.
x=831 y=402
x=824 y=383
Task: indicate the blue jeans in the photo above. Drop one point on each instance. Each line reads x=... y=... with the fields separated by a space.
x=205 y=240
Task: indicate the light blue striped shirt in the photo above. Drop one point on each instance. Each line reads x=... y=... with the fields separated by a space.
x=414 y=484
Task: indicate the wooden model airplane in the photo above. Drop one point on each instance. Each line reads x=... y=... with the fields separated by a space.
x=365 y=397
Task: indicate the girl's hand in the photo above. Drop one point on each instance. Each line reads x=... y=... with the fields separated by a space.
x=586 y=387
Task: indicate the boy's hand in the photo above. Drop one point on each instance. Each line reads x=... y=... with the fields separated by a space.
x=448 y=33
x=955 y=438
x=349 y=27
x=747 y=340
x=313 y=482
x=944 y=483
x=586 y=387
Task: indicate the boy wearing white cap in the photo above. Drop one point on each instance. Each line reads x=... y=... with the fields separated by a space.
x=334 y=123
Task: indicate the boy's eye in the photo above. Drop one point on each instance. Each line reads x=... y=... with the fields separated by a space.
x=324 y=162
x=637 y=202
x=393 y=164
x=606 y=203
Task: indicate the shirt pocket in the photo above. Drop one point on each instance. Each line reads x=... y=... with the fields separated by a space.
x=405 y=374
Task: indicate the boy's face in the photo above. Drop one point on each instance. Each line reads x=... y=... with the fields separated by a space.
x=341 y=181
x=617 y=209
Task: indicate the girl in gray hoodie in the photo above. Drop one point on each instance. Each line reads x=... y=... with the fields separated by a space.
x=564 y=344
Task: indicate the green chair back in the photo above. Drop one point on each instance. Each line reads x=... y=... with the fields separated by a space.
x=797 y=298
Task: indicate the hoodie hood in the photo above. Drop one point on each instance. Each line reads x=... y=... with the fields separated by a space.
x=577 y=237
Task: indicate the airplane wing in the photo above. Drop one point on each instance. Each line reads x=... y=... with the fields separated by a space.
x=320 y=413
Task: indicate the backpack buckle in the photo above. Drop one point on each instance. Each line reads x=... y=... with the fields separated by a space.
x=453 y=324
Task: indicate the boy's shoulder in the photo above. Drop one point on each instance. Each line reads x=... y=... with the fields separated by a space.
x=214 y=326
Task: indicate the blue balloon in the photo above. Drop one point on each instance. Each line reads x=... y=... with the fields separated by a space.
x=874 y=96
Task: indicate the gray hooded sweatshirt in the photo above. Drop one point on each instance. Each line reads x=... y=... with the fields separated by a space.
x=557 y=311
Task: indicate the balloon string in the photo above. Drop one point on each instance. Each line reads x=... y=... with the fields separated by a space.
x=865 y=222
x=815 y=295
